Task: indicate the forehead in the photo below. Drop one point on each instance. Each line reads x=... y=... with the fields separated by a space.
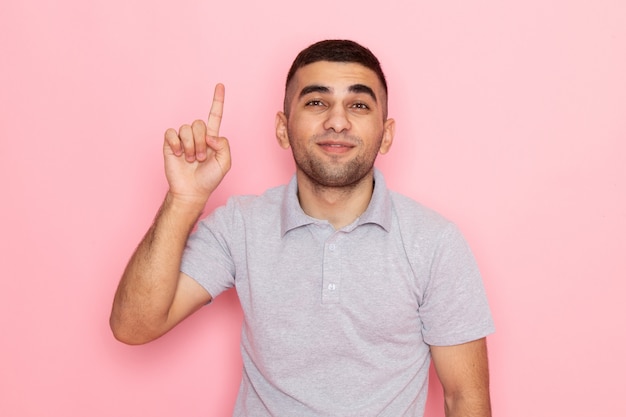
x=338 y=76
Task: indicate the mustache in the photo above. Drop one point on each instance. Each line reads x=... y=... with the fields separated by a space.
x=336 y=137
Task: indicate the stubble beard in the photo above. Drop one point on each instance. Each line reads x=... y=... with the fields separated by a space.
x=330 y=172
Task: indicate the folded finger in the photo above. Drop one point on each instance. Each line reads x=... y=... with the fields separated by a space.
x=199 y=139
x=185 y=133
x=173 y=141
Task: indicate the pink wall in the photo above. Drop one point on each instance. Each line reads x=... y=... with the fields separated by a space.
x=511 y=120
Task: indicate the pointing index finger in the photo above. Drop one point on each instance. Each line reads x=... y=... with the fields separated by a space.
x=217 y=109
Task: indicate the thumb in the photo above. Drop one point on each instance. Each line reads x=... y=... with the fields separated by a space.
x=221 y=147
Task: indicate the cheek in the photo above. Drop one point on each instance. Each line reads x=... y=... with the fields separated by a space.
x=302 y=127
x=373 y=131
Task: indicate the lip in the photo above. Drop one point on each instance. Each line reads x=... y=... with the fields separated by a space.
x=335 y=147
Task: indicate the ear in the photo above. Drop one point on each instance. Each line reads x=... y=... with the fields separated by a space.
x=282 y=136
x=389 y=130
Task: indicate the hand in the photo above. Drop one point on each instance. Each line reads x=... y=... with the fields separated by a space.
x=196 y=157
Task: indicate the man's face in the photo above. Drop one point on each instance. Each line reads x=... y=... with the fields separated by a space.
x=336 y=123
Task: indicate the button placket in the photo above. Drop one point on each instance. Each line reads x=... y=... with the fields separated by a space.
x=332 y=271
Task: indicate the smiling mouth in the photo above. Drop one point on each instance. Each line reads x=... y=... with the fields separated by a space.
x=335 y=148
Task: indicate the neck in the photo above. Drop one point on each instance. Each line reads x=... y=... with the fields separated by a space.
x=340 y=206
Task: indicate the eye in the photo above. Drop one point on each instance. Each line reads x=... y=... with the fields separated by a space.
x=360 y=106
x=313 y=103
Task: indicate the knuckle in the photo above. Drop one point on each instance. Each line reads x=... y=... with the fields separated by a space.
x=184 y=132
x=198 y=124
x=171 y=136
x=215 y=114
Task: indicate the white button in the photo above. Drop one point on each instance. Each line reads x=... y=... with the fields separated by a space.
x=332 y=287
x=332 y=246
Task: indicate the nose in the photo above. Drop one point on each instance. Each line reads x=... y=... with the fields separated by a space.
x=337 y=119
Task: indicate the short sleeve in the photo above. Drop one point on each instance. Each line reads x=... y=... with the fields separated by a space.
x=207 y=258
x=454 y=308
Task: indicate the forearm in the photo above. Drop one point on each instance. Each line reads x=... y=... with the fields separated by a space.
x=475 y=404
x=464 y=374
x=148 y=286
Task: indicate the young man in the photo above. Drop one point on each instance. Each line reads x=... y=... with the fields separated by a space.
x=348 y=289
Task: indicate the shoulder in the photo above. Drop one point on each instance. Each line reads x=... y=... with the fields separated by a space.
x=424 y=232
x=245 y=203
x=240 y=210
x=414 y=216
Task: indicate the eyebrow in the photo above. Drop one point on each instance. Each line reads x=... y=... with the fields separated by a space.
x=361 y=88
x=313 y=89
x=355 y=88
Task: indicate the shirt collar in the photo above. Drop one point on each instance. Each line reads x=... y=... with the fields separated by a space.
x=378 y=211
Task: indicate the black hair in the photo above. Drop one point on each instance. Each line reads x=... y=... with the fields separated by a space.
x=335 y=50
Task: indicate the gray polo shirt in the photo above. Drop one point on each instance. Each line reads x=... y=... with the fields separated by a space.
x=339 y=322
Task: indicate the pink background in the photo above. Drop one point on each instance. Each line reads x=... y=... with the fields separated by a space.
x=511 y=121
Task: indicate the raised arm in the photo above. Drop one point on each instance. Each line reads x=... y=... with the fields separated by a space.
x=464 y=375
x=153 y=295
